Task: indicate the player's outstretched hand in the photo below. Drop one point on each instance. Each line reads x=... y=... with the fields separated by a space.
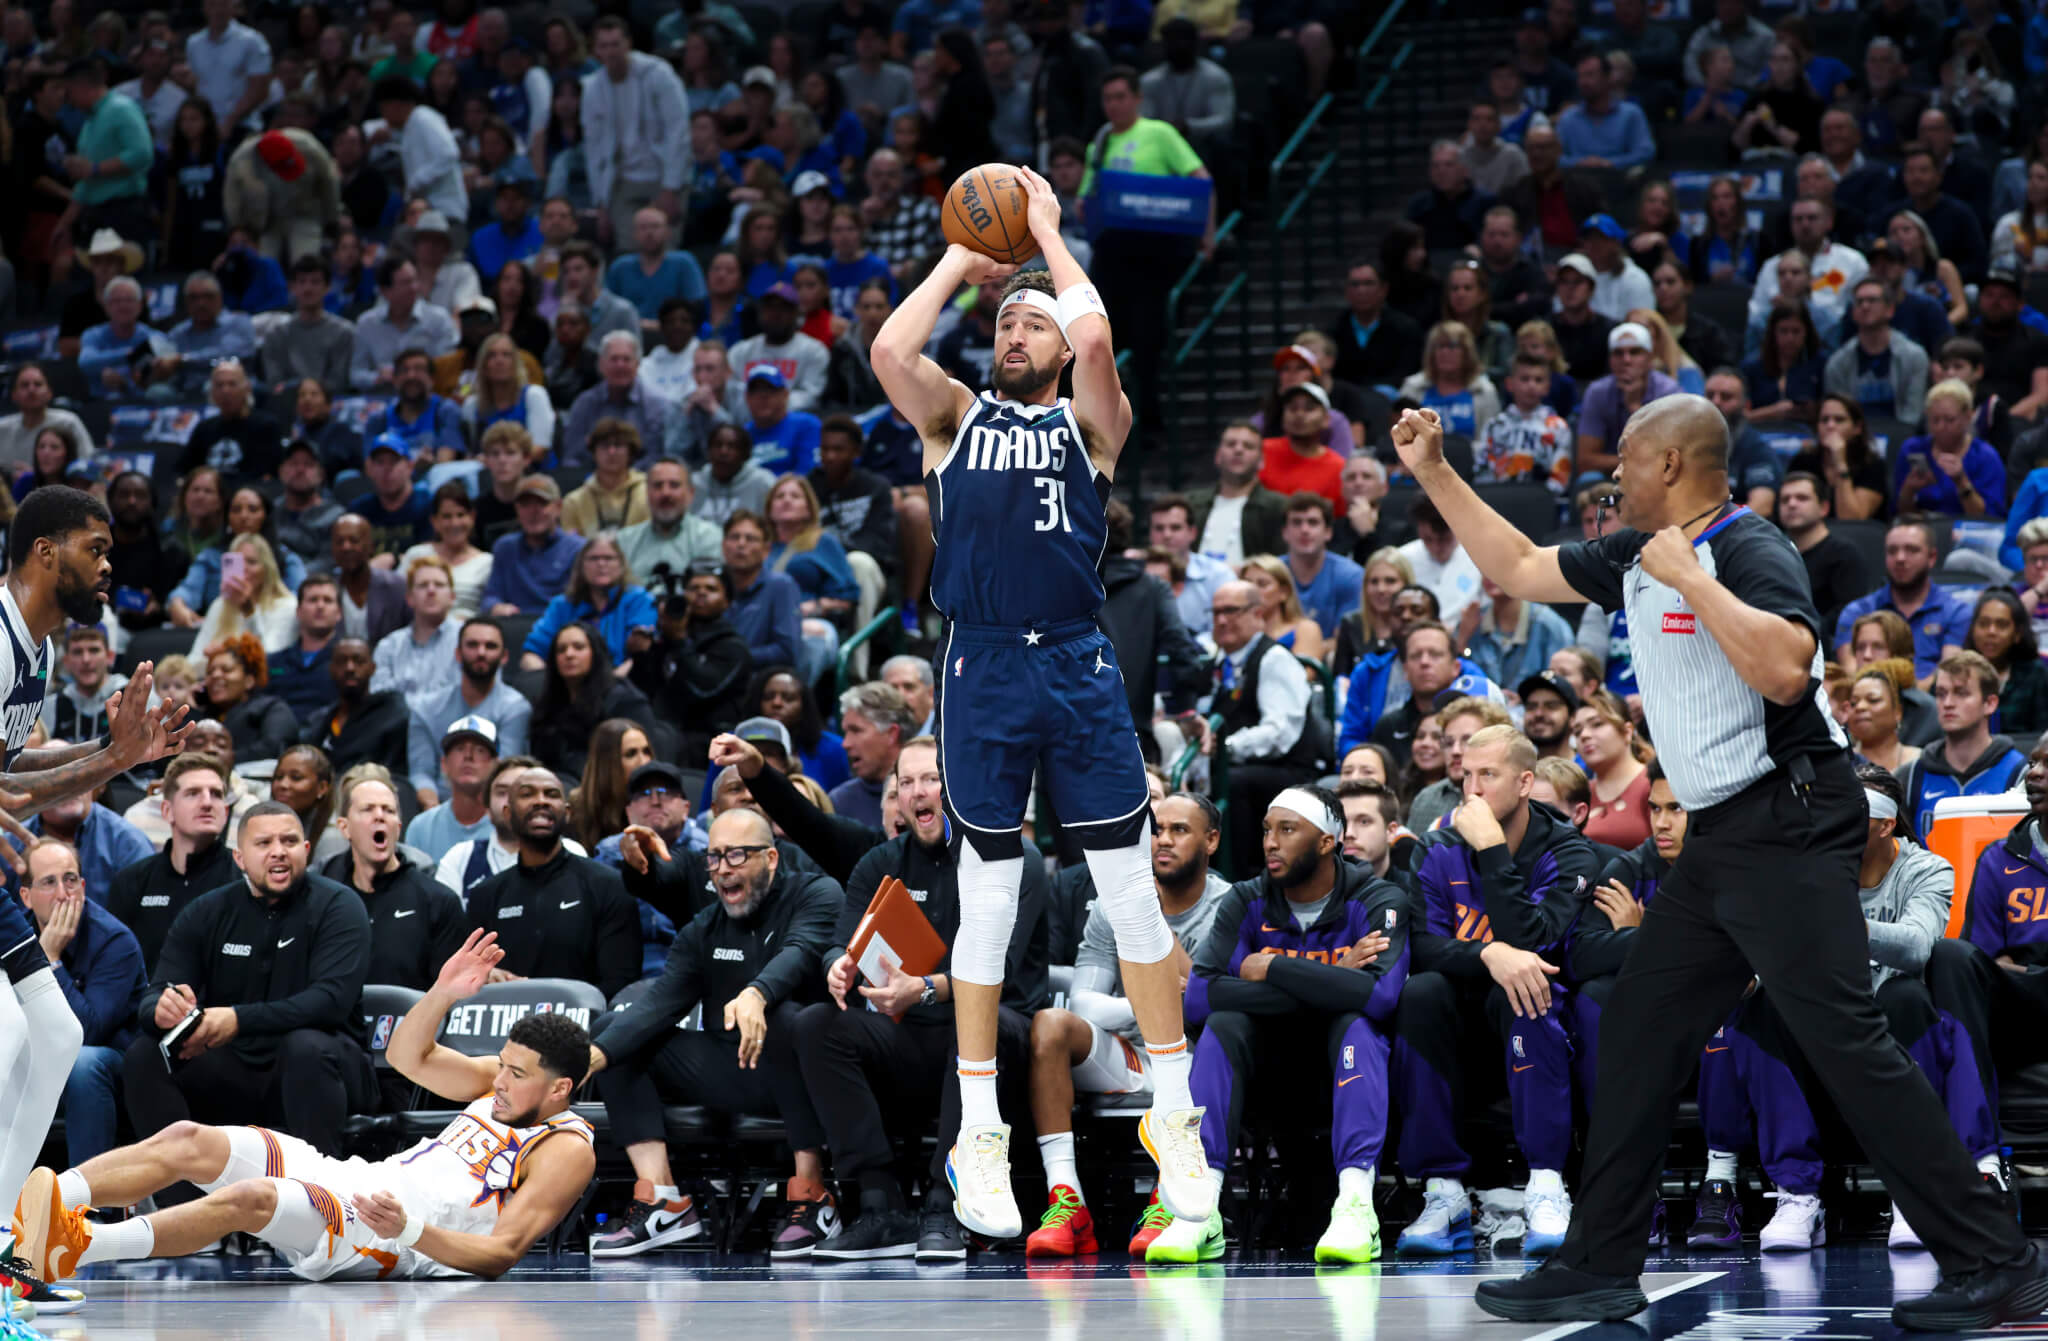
x=130 y=727
x=382 y=1212
x=975 y=268
x=470 y=967
x=1041 y=205
x=639 y=845
x=1419 y=438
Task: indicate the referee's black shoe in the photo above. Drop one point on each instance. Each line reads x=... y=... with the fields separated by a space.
x=1557 y=1293
x=1972 y=1300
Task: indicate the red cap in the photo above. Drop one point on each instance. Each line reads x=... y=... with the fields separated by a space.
x=280 y=155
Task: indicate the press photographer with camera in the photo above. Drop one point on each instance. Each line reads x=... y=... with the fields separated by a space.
x=696 y=672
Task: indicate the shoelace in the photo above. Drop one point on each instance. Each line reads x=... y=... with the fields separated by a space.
x=1181 y=1146
x=1061 y=1211
x=1156 y=1216
x=991 y=1160
x=1439 y=1201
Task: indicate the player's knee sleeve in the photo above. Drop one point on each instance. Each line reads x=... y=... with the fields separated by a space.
x=1130 y=900
x=988 y=913
x=53 y=1026
x=13 y=1034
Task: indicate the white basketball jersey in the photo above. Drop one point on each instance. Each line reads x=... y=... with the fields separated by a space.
x=460 y=1178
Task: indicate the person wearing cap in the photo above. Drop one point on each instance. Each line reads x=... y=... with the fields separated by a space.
x=1449 y=211
x=513 y=234
x=1619 y=284
x=636 y=125
x=402 y=319
x=1609 y=402
x=283 y=187
x=1601 y=130
x=1548 y=704
x=449 y=284
x=2015 y=350
x=801 y=361
x=1297 y=460
x=1581 y=331
x=108 y=165
x=469 y=750
x=784 y=440
x=430 y=160
x=416 y=923
x=399 y=512
x=155 y=91
x=314 y=343
x=620 y=394
x=532 y=567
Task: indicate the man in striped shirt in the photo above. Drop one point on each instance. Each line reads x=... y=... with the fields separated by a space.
x=1727 y=652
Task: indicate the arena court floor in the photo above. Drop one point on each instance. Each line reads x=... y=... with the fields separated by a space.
x=1842 y=1291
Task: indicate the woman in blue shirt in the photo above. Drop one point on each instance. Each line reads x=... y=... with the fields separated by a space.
x=707 y=83
x=817 y=563
x=725 y=301
x=762 y=256
x=1453 y=382
x=1785 y=378
x=1946 y=470
x=779 y=692
x=844 y=135
x=248 y=514
x=602 y=595
x=1727 y=250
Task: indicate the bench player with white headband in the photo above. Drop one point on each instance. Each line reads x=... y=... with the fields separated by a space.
x=1028 y=685
x=468 y=1202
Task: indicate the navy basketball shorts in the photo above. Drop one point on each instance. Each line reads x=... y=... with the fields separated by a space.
x=1017 y=703
x=21 y=951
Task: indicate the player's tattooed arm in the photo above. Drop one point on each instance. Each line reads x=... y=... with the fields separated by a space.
x=50 y=756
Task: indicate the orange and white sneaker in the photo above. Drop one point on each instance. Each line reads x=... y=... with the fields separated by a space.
x=1066 y=1230
x=1174 y=1140
x=48 y=1236
x=1155 y=1219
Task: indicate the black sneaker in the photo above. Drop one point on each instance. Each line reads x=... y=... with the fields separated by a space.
x=805 y=1225
x=646 y=1227
x=940 y=1238
x=18 y=1279
x=1973 y=1300
x=1558 y=1293
x=1717 y=1216
x=876 y=1234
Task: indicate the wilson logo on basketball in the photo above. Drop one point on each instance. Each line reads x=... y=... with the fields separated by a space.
x=1681 y=623
x=978 y=213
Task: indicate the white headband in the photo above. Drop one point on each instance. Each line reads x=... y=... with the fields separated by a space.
x=1881 y=806
x=1044 y=302
x=1310 y=807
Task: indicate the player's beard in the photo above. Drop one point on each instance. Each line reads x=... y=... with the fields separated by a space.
x=79 y=600
x=1020 y=384
x=1299 y=871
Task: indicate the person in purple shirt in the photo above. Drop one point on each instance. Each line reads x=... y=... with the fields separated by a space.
x=1939 y=619
x=1498 y=889
x=531 y=567
x=1295 y=987
x=1947 y=469
x=1631 y=383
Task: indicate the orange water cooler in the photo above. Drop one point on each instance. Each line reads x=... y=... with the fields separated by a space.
x=1963 y=827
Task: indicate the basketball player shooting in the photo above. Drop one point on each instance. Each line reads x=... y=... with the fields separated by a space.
x=468 y=1202
x=1027 y=683
x=58 y=571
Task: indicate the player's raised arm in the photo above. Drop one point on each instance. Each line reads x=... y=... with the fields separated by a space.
x=1099 y=403
x=917 y=387
x=1521 y=566
x=413 y=1050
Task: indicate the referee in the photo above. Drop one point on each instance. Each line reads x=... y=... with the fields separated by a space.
x=1727 y=655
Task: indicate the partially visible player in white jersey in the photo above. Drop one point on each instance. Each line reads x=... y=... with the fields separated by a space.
x=468 y=1202
x=58 y=572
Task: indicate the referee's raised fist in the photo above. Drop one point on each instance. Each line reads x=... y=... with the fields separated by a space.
x=1419 y=437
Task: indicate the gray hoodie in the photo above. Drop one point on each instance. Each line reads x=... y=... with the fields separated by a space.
x=1907 y=912
x=747 y=490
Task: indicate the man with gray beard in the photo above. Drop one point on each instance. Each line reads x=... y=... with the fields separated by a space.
x=751 y=960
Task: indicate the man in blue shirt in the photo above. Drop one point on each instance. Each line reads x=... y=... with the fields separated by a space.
x=400 y=512
x=1330 y=585
x=532 y=567
x=919 y=22
x=206 y=336
x=107 y=352
x=104 y=842
x=785 y=440
x=481 y=692
x=1939 y=619
x=298 y=674
x=513 y=236
x=652 y=273
x=469 y=747
x=764 y=604
x=426 y=426
x=1603 y=131
x=99 y=968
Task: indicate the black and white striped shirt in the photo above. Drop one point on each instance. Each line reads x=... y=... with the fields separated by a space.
x=1715 y=735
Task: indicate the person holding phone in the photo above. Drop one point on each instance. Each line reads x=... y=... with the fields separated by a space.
x=1948 y=470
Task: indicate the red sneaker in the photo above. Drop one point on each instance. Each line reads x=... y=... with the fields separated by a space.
x=1155 y=1219
x=1067 y=1230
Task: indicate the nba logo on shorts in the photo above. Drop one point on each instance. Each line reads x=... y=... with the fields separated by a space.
x=958 y=662
x=1518 y=1045
x=1347 y=1056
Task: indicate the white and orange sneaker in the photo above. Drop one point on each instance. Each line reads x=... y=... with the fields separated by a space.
x=1174 y=1140
x=49 y=1236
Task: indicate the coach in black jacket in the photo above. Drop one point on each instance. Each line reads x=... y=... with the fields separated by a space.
x=752 y=961
x=275 y=962
x=416 y=922
x=557 y=915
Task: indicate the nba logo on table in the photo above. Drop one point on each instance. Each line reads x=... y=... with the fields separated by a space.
x=1347 y=1056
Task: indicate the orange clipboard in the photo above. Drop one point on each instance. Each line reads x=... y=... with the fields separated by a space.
x=894 y=930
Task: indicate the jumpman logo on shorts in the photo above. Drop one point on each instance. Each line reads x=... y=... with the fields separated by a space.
x=1100 y=664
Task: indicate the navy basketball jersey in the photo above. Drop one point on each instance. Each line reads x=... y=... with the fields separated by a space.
x=1017 y=514
x=25 y=675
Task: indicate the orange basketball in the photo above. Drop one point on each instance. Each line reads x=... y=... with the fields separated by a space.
x=985 y=210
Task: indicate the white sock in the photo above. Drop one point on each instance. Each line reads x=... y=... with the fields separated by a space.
x=978 y=1104
x=122 y=1241
x=71 y=1185
x=1172 y=1064
x=32 y=1089
x=1989 y=1164
x=1544 y=1180
x=1721 y=1164
x=666 y=1193
x=1218 y=1177
x=1354 y=1183
x=1057 y=1151
x=1453 y=1188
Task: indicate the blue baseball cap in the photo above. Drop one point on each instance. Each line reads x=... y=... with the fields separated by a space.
x=388 y=442
x=1604 y=225
x=1469 y=685
x=766 y=372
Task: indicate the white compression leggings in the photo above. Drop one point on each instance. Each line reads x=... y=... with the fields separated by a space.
x=988 y=907
x=39 y=1040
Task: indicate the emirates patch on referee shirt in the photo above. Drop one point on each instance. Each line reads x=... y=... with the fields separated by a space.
x=1681 y=622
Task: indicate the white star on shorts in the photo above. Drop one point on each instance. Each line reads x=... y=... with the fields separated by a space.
x=1031 y=637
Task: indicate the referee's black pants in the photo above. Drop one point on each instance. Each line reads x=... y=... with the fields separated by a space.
x=1767 y=886
x=700 y=1066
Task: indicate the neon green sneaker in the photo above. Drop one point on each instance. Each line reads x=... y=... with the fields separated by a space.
x=1185 y=1241
x=1354 y=1232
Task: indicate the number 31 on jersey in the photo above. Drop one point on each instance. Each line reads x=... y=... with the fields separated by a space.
x=1052 y=496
